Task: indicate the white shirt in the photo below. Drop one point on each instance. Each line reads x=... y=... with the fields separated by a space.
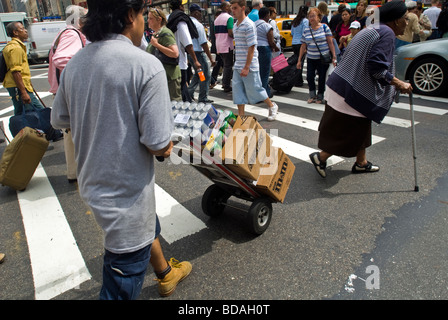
x=432 y=14
x=183 y=40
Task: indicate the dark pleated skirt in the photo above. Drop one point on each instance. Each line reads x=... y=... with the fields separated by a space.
x=343 y=135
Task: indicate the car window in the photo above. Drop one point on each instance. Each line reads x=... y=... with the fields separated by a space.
x=287 y=25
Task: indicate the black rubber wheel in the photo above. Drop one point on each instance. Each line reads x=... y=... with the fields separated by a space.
x=213 y=200
x=259 y=215
x=429 y=76
x=283 y=43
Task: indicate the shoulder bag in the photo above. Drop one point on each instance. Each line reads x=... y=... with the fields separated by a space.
x=324 y=58
x=163 y=57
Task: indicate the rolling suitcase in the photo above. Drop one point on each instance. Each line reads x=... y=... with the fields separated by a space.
x=21 y=158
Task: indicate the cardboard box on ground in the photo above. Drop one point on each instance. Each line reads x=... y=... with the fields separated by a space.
x=248 y=152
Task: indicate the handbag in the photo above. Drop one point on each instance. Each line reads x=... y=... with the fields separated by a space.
x=37 y=119
x=326 y=57
x=164 y=58
x=279 y=62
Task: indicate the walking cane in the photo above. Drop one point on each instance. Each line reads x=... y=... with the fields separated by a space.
x=414 y=144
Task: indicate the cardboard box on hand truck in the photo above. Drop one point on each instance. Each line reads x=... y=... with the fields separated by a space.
x=249 y=153
x=247 y=148
x=275 y=177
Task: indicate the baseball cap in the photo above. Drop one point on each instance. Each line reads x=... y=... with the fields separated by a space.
x=195 y=7
x=355 y=25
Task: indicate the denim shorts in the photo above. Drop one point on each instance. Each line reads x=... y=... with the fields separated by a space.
x=124 y=274
x=247 y=89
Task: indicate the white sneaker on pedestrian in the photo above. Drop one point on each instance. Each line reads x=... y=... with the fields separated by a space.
x=273 y=111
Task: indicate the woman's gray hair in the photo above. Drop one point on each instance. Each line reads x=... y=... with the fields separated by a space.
x=74 y=13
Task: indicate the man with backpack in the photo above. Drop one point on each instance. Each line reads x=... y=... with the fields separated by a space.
x=18 y=77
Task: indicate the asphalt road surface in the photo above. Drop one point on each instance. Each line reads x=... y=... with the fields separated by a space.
x=344 y=237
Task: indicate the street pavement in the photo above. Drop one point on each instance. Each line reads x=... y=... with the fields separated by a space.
x=345 y=237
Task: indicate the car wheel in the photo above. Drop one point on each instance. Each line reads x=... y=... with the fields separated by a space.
x=429 y=76
x=283 y=43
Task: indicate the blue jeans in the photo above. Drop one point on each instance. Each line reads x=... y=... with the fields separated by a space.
x=314 y=65
x=436 y=34
x=18 y=103
x=203 y=85
x=264 y=60
x=124 y=274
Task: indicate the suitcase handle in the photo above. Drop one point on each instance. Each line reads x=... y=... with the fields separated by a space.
x=1 y=127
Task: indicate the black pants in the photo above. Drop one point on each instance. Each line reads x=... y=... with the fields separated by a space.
x=184 y=86
x=296 y=50
x=227 y=73
x=314 y=65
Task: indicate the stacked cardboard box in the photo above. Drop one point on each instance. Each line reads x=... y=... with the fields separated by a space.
x=248 y=152
x=275 y=177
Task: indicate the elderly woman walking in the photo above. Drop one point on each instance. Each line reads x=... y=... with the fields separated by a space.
x=356 y=96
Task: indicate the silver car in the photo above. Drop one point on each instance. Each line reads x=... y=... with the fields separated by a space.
x=425 y=65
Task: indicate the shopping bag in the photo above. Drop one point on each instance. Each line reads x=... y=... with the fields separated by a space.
x=279 y=62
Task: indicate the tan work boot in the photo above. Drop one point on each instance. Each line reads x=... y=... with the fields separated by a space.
x=179 y=271
x=2 y=257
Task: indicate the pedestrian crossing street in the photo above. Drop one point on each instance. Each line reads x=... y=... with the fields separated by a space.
x=49 y=234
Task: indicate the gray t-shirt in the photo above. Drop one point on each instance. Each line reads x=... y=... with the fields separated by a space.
x=114 y=97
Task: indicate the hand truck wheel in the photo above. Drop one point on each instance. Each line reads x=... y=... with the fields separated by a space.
x=259 y=215
x=213 y=200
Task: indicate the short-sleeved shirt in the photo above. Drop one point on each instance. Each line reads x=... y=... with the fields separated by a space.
x=253 y=15
x=320 y=37
x=262 y=32
x=183 y=39
x=433 y=14
x=166 y=38
x=116 y=115
x=223 y=23
x=413 y=27
x=297 y=31
x=198 y=42
x=245 y=36
x=16 y=59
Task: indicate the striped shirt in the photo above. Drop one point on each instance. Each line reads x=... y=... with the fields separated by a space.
x=224 y=43
x=366 y=87
x=245 y=36
x=320 y=35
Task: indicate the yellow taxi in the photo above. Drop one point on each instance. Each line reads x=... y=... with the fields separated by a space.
x=284 y=26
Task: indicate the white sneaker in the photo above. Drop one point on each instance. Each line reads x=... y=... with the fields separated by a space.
x=273 y=112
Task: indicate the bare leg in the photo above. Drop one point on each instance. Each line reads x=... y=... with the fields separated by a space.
x=361 y=159
x=157 y=259
x=324 y=156
x=269 y=102
x=241 y=109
